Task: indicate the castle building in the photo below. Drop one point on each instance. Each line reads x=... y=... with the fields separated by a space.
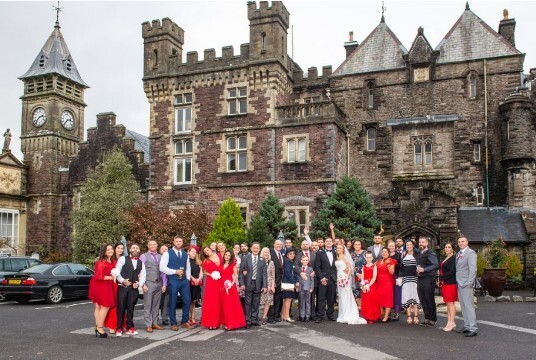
x=435 y=135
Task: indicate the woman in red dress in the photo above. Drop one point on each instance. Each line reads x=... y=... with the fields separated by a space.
x=211 y=307
x=101 y=290
x=370 y=307
x=447 y=282
x=232 y=312
x=386 y=283
x=111 y=318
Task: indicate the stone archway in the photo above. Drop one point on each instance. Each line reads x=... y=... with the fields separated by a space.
x=416 y=230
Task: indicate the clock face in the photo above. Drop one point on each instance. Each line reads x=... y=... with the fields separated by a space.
x=39 y=117
x=67 y=120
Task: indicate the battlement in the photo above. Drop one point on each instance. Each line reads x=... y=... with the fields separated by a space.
x=264 y=11
x=312 y=78
x=166 y=27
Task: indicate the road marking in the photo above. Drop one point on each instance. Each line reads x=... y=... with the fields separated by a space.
x=145 y=348
x=62 y=306
x=204 y=335
x=84 y=303
x=504 y=326
x=330 y=343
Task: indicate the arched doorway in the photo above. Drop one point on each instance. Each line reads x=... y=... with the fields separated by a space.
x=413 y=231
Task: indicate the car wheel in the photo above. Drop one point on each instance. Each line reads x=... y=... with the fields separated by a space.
x=22 y=300
x=54 y=295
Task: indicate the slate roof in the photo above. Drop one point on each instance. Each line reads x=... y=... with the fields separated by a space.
x=142 y=143
x=55 y=58
x=381 y=50
x=471 y=38
x=483 y=225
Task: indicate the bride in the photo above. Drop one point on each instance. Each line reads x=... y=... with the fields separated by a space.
x=348 y=311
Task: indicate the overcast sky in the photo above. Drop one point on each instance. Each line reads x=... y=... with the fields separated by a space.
x=105 y=41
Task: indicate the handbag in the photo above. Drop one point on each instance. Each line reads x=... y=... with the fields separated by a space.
x=287 y=287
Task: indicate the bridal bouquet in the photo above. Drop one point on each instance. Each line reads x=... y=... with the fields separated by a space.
x=342 y=280
x=216 y=275
x=365 y=286
x=227 y=285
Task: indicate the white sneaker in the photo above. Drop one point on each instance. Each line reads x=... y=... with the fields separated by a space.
x=119 y=333
x=132 y=331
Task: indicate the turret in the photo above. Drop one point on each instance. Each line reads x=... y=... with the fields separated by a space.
x=268 y=27
x=162 y=43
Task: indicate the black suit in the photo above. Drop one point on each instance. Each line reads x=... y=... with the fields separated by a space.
x=275 y=309
x=326 y=293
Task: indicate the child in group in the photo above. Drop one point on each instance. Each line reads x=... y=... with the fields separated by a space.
x=370 y=305
x=306 y=288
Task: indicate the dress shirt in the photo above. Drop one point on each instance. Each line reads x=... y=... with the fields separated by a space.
x=329 y=253
x=164 y=261
x=119 y=267
x=155 y=258
x=377 y=249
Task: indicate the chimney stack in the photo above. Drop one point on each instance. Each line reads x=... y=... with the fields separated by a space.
x=507 y=28
x=350 y=45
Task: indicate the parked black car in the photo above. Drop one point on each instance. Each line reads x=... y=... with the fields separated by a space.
x=52 y=282
x=13 y=264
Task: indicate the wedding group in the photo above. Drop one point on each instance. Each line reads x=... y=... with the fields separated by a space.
x=249 y=286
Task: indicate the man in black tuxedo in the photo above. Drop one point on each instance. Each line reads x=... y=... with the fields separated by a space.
x=326 y=272
x=253 y=280
x=274 y=315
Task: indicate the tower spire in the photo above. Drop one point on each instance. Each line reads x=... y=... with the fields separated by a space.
x=383 y=12
x=57 y=9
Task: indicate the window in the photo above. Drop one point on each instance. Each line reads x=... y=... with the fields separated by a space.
x=422 y=150
x=300 y=215
x=472 y=86
x=183 y=113
x=476 y=152
x=183 y=162
x=370 y=95
x=78 y=269
x=296 y=150
x=9 y=227
x=371 y=139
x=42 y=61
x=244 y=211
x=155 y=57
x=237 y=99
x=62 y=270
x=507 y=129
x=237 y=153
x=68 y=64
x=263 y=41
x=479 y=195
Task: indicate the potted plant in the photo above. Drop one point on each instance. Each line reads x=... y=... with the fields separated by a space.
x=494 y=277
x=514 y=269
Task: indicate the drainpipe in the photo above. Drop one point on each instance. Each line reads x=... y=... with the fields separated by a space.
x=348 y=154
x=486 y=128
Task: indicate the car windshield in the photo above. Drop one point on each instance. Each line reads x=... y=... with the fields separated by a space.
x=37 y=269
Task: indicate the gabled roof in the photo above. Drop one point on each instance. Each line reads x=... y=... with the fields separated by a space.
x=381 y=50
x=7 y=158
x=484 y=225
x=55 y=58
x=421 y=50
x=471 y=38
x=142 y=143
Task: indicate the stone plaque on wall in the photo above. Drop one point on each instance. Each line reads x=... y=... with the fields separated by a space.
x=421 y=74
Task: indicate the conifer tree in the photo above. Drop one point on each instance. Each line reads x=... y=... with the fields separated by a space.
x=228 y=224
x=350 y=209
x=105 y=199
x=258 y=231
x=272 y=213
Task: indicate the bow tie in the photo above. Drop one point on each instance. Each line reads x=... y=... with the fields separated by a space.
x=134 y=258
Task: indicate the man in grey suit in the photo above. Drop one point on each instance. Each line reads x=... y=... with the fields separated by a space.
x=376 y=249
x=154 y=286
x=252 y=278
x=465 y=277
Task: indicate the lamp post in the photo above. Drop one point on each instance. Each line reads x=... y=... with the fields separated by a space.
x=124 y=242
x=193 y=240
x=281 y=236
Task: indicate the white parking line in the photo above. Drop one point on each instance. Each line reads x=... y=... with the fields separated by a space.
x=330 y=343
x=157 y=344
x=62 y=306
x=504 y=326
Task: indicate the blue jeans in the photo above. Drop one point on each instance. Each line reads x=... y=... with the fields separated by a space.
x=175 y=286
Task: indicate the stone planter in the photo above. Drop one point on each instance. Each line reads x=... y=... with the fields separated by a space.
x=494 y=281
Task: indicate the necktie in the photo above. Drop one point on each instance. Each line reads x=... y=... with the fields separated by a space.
x=280 y=259
x=303 y=269
x=154 y=258
x=133 y=258
x=458 y=255
x=254 y=276
x=180 y=254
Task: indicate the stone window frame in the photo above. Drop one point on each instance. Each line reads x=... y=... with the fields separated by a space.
x=507 y=129
x=476 y=144
x=245 y=206
x=480 y=195
x=423 y=141
x=183 y=156
x=183 y=105
x=263 y=42
x=10 y=227
x=296 y=209
x=237 y=151
x=369 y=95
x=472 y=83
x=368 y=140
x=285 y=148
x=239 y=100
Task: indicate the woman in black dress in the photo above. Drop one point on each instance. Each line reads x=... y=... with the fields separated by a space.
x=289 y=277
x=196 y=280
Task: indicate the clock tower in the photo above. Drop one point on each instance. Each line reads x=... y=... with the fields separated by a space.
x=52 y=128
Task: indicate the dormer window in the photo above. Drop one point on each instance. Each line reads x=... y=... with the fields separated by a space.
x=68 y=64
x=42 y=61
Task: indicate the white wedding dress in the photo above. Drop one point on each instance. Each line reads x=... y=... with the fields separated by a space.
x=348 y=311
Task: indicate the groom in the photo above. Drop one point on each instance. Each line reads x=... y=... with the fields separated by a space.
x=326 y=272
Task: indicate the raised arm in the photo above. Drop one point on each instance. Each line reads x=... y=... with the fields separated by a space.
x=332 y=231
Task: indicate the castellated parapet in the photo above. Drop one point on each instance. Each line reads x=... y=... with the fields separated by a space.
x=264 y=11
